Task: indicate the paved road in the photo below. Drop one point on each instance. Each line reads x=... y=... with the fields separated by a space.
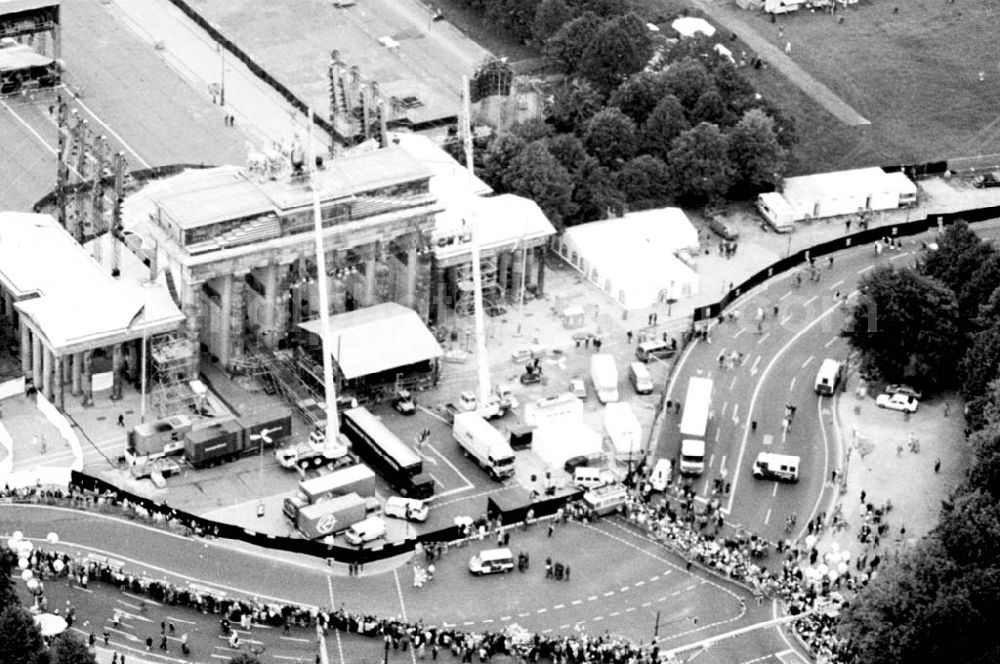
x=823 y=95
x=620 y=599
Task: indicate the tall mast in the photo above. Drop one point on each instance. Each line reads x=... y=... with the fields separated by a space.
x=482 y=359
x=332 y=420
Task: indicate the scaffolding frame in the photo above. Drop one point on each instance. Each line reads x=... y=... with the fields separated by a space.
x=171 y=355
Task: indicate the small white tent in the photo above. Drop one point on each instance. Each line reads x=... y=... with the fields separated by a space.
x=624 y=430
x=689 y=26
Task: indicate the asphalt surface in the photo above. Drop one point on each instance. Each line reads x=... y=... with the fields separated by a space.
x=622 y=599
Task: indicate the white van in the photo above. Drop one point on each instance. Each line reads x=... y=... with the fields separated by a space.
x=641 y=380
x=492 y=561
x=783 y=467
x=365 y=531
x=662 y=472
x=831 y=372
x=410 y=509
x=776 y=211
x=588 y=477
x=606 y=499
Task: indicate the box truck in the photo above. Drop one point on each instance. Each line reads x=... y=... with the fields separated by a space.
x=694 y=423
x=484 y=444
x=604 y=374
x=329 y=517
x=359 y=479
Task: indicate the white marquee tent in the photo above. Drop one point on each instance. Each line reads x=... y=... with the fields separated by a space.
x=632 y=259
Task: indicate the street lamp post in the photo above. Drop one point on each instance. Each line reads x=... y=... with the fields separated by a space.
x=222 y=75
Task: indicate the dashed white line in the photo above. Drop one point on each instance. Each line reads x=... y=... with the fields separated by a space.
x=630 y=609
x=624 y=589
x=767 y=517
x=296 y=639
x=806 y=363
x=830 y=342
x=645 y=604
x=784 y=321
x=639 y=583
x=488 y=620
x=739 y=332
x=810 y=301
x=655 y=578
x=598 y=618
x=863 y=270
x=469 y=622
x=837 y=285
x=791 y=385
x=615 y=613
x=784 y=296
x=575 y=602
x=592 y=598
x=504 y=618
x=609 y=593
x=559 y=606
x=766 y=335
x=523 y=615
x=542 y=610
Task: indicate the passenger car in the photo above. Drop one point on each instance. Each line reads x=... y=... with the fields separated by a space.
x=723 y=229
x=404 y=402
x=898 y=388
x=578 y=388
x=987 y=180
x=903 y=402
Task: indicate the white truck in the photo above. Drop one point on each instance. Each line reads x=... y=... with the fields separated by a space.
x=485 y=444
x=694 y=423
x=314 y=453
x=604 y=374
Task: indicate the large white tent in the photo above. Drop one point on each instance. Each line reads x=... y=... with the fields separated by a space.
x=558 y=440
x=624 y=430
x=632 y=259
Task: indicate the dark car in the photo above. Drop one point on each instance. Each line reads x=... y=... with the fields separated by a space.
x=904 y=389
x=580 y=461
x=404 y=402
x=987 y=180
x=722 y=228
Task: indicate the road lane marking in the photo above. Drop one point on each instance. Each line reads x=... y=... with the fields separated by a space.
x=791 y=385
x=863 y=270
x=725 y=404
x=837 y=285
x=757 y=392
x=488 y=620
x=142 y=599
x=559 y=606
x=624 y=589
x=898 y=256
x=575 y=602
x=523 y=615
x=767 y=517
x=774 y=492
x=655 y=578
x=630 y=609
x=784 y=321
x=732 y=384
x=295 y=638
x=609 y=593
x=736 y=413
x=810 y=301
x=806 y=363
x=597 y=619
x=615 y=613
x=761 y=340
x=471 y=622
x=753 y=367
x=504 y=618
x=186 y=622
x=542 y=610
x=639 y=584
x=784 y=296
x=739 y=332
x=645 y=604
x=831 y=342
x=399 y=592
x=592 y=598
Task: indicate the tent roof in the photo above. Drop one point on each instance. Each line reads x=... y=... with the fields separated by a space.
x=820 y=186
x=500 y=221
x=71 y=298
x=449 y=176
x=377 y=338
x=13 y=58
x=17 y=6
x=687 y=26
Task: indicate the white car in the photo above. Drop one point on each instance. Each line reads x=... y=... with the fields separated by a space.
x=578 y=388
x=903 y=402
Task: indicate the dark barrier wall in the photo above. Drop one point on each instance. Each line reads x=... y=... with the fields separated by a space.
x=514 y=511
x=869 y=236
x=260 y=72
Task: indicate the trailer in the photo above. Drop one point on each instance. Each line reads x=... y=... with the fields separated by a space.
x=604 y=374
x=329 y=517
x=694 y=425
x=481 y=441
x=359 y=479
x=211 y=445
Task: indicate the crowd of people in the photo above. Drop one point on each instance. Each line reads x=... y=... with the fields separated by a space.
x=676 y=521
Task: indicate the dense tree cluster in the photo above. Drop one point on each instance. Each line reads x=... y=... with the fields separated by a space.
x=638 y=122
x=940 y=601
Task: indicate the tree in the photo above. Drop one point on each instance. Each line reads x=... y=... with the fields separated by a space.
x=639 y=95
x=975 y=295
x=497 y=161
x=737 y=92
x=68 y=648
x=595 y=195
x=758 y=158
x=603 y=8
x=699 y=164
x=905 y=325
x=8 y=596
x=493 y=78
x=532 y=129
x=572 y=105
x=549 y=17
x=711 y=108
x=645 y=182
x=960 y=253
x=515 y=16
x=613 y=55
x=568 y=44
x=980 y=365
x=686 y=80
x=666 y=122
x=610 y=137
x=784 y=125
x=568 y=150
x=20 y=640
x=535 y=174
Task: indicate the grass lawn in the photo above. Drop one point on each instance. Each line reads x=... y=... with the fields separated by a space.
x=914 y=75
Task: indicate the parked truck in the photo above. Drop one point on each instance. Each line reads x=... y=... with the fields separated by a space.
x=315 y=452
x=604 y=374
x=218 y=443
x=206 y=443
x=359 y=479
x=694 y=423
x=329 y=517
x=484 y=444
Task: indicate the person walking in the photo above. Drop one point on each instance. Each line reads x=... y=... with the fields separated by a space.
x=121 y=419
x=937 y=465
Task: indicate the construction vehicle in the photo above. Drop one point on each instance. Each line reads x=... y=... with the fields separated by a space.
x=315 y=452
x=484 y=444
x=357 y=479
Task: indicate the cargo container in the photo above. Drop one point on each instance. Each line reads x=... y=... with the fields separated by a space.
x=329 y=517
x=357 y=479
x=218 y=443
